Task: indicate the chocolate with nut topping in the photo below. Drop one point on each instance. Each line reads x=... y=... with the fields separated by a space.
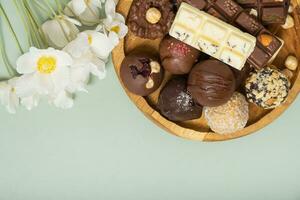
x=141 y=73
x=151 y=19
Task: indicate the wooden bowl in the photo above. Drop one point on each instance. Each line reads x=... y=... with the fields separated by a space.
x=198 y=129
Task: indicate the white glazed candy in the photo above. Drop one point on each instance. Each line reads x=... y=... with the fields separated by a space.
x=212 y=36
x=230 y=117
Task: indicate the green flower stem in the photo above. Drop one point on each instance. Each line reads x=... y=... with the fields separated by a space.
x=37 y=34
x=25 y=23
x=32 y=26
x=7 y=64
x=11 y=29
x=42 y=6
x=59 y=6
x=50 y=7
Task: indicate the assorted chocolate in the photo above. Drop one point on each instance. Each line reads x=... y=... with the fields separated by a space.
x=267 y=11
x=231 y=12
x=141 y=73
x=267 y=88
x=233 y=61
x=212 y=36
x=211 y=83
x=176 y=56
x=151 y=19
x=176 y=103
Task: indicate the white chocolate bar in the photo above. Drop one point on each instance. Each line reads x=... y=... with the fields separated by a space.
x=212 y=36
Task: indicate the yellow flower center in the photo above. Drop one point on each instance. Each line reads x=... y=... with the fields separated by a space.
x=13 y=90
x=46 y=65
x=115 y=29
x=90 y=39
x=87 y=1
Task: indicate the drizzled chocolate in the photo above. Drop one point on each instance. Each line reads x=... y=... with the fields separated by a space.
x=211 y=83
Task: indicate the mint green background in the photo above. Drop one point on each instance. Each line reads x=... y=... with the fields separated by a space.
x=106 y=149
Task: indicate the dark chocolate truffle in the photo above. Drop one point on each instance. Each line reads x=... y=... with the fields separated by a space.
x=211 y=83
x=176 y=56
x=176 y=104
x=151 y=19
x=141 y=73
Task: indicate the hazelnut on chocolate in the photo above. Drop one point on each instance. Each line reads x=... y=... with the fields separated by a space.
x=151 y=19
x=141 y=73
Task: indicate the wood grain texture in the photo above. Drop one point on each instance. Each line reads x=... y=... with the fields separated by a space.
x=198 y=129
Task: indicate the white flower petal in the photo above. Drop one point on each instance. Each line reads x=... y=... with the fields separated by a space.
x=114 y=38
x=97 y=68
x=60 y=78
x=79 y=6
x=79 y=46
x=27 y=63
x=63 y=59
x=73 y=21
x=54 y=33
x=110 y=7
x=30 y=102
x=63 y=100
x=101 y=45
x=26 y=85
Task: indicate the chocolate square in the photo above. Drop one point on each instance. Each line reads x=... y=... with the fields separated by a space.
x=216 y=14
x=259 y=58
x=248 y=23
x=228 y=7
x=274 y=45
x=247 y=2
x=273 y=14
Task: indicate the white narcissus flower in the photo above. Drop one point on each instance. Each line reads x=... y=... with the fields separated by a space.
x=114 y=22
x=60 y=31
x=45 y=72
x=85 y=63
x=8 y=96
x=86 y=10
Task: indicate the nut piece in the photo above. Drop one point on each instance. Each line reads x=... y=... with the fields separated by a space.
x=265 y=39
x=289 y=22
x=153 y=15
x=291 y=9
x=291 y=63
x=253 y=12
x=150 y=83
x=288 y=73
x=155 y=67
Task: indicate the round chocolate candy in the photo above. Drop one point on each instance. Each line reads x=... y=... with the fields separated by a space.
x=267 y=88
x=151 y=19
x=176 y=56
x=176 y=104
x=141 y=73
x=211 y=83
x=229 y=117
